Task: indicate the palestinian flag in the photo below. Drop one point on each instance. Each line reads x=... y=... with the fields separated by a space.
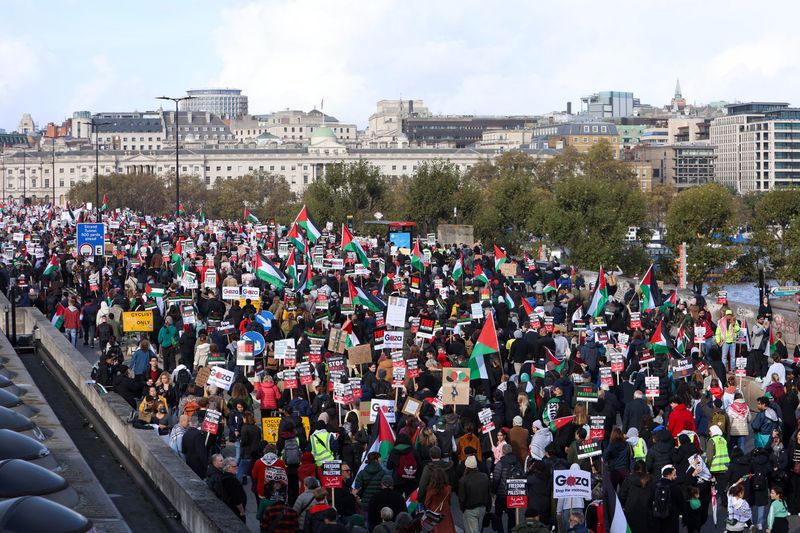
x=508 y=299
x=104 y=207
x=683 y=341
x=486 y=344
x=599 y=296
x=526 y=305
x=658 y=342
x=478 y=275
x=551 y=358
x=416 y=257
x=670 y=302
x=249 y=217
x=58 y=317
x=538 y=372
x=269 y=273
x=52 y=266
x=550 y=287
x=559 y=423
x=385 y=281
x=151 y=293
x=177 y=259
x=201 y=215
x=381 y=441
x=771 y=346
x=359 y=297
x=181 y=210
x=412 y=503
x=304 y=221
x=296 y=239
x=349 y=244
x=649 y=290
x=351 y=339
x=499 y=258
x=291 y=271
x=614 y=513
x=745 y=334
x=458 y=268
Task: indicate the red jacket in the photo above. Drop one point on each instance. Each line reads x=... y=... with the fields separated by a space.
x=268 y=394
x=72 y=319
x=680 y=419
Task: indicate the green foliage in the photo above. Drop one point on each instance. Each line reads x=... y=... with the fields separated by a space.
x=703 y=218
x=432 y=194
x=141 y=192
x=356 y=189
x=504 y=215
x=264 y=194
x=775 y=230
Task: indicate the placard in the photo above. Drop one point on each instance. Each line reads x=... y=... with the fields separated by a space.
x=508 y=269
x=251 y=293
x=269 y=428
x=699 y=333
x=722 y=297
x=337 y=340
x=290 y=379
x=396 y=312
x=516 y=493
x=651 y=386
x=245 y=353
x=210 y=279
x=387 y=406
x=202 y=376
x=281 y=346
x=646 y=357
x=359 y=355
x=548 y=324
x=617 y=363
x=221 y=378
x=412 y=368
x=741 y=366
x=211 y=422
x=682 y=368
x=137 y=321
x=455 y=385
x=606 y=377
x=597 y=429
x=187 y=314
x=589 y=448
x=331 y=477
x=575 y=483
x=476 y=311
x=412 y=407
x=393 y=339
x=636 y=320
x=486 y=418
x=586 y=393
x=230 y=293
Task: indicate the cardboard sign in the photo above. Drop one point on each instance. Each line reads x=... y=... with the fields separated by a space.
x=722 y=297
x=336 y=340
x=230 y=293
x=606 y=377
x=412 y=407
x=636 y=321
x=269 y=428
x=137 y=321
x=211 y=422
x=359 y=355
x=617 y=363
x=646 y=357
x=572 y=484
x=202 y=376
x=741 y=366
x=455 y=385
x=331 y=475
x=586 y=393
x=651 y=386
x=508 y=269
x=682 y=369
x=597 y=429
x=516 y=493
x=251 y=293
x=386 y=406
x=221 y=378
x=589 y=448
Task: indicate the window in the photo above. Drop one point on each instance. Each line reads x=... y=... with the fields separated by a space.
x=60 y=182
x=603 y=129
x=229 y=169
x=72 y=170
x=33 y=182
x=283 y=168
x=46 y=183
x=219 y=168
x=272 y=168
x=586 y=140
x=10 y=171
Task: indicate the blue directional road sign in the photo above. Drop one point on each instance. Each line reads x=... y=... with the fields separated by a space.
x=265 y=318
x=258 y=341
x=91 y=239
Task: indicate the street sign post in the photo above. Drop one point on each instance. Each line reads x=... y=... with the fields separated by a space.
x=91 y=239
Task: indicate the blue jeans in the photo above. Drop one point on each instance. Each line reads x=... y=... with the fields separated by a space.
x=244 y=468
x=709 y=342
x=759 y=514
x=729 y=348
x=72 y=335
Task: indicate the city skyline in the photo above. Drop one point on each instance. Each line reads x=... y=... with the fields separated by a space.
x=460 y=58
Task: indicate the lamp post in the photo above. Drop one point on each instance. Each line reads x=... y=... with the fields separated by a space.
x=24 y=177
x=53 y=178
x=95 y=126
x=177 y=148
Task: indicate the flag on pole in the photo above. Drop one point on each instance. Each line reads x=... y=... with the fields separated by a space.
x=526 y=305
x=550 y=287
x=351 y=339
x=478 y=274
x=201 y=215
x=508 y=299
x=381 y=440
x=486 y=344
x=295 y=238
x=266 y=271
x=649 y=289
x=499 y=258
x=614 y=515
x=58 y=317
x=599 y=296
x=771 y=346
x=745 y=333
x=458 y=268
x=551 y=358
x=249 y=217
x=181 y=210
x=658 y=342
x=683 y=341
x=358 y=297
x=416 y=257
x=304 y=221
x=291 y=271
x=349 y=244
x=52 y=265
x=153 y=293
x=104 y=207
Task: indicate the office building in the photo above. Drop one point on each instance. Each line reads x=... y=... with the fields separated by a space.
x=221 y=102
x=290 y=126
x=579 y=135
x=681 y=165
x=608 y=104
x=457 y=131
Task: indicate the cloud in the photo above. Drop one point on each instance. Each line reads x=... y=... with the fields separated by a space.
x=19 y=64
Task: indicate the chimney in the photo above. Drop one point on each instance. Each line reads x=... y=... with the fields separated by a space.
x=411 y=107
x=569 y=108
x=189 y=117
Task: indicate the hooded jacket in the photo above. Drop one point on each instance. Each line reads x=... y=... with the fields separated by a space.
x=539 y=441
x=739 y=416
x=680 y=419
x=765 y=421
x=661 y=453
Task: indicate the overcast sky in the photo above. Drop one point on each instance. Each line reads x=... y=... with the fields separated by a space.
x=459 y=56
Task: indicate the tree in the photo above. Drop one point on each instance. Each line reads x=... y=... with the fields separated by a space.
x=432 y=194
x=356 y=189
x=194 y=193
x=141 y=192
x=658 y=200
x=702 y=217
x=504 y=215
x=591 y=215
x=775 y=215
x=264 y=194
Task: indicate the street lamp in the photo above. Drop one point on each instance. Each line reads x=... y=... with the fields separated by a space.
x=53 y=178
x=24 y=176
x=96 y=167
x=177 y=148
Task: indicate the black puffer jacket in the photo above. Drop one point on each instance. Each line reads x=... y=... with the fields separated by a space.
x=661 y=453
x=637 y=501
x=504 y=470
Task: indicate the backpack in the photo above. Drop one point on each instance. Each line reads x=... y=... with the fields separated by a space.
x=661 y=502
x=291 y=452
x=182 y=380
x=407 y=467
x=758 y=481
x=95 y=370
x=718 y=419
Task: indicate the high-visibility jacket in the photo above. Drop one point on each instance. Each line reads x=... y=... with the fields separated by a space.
x=727 y=330
x=321 y=446
x=720 y=461
x=638 y=450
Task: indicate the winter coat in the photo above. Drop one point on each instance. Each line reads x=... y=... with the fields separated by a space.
x=637 y=501
x=368 y=482
x=618 y=455
x=635 y=410
x=739 y=417
x=503 y=470
x=765 y=421
x=539 y=442
x=661 y=453
x=680 y=419
x=268 y=394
